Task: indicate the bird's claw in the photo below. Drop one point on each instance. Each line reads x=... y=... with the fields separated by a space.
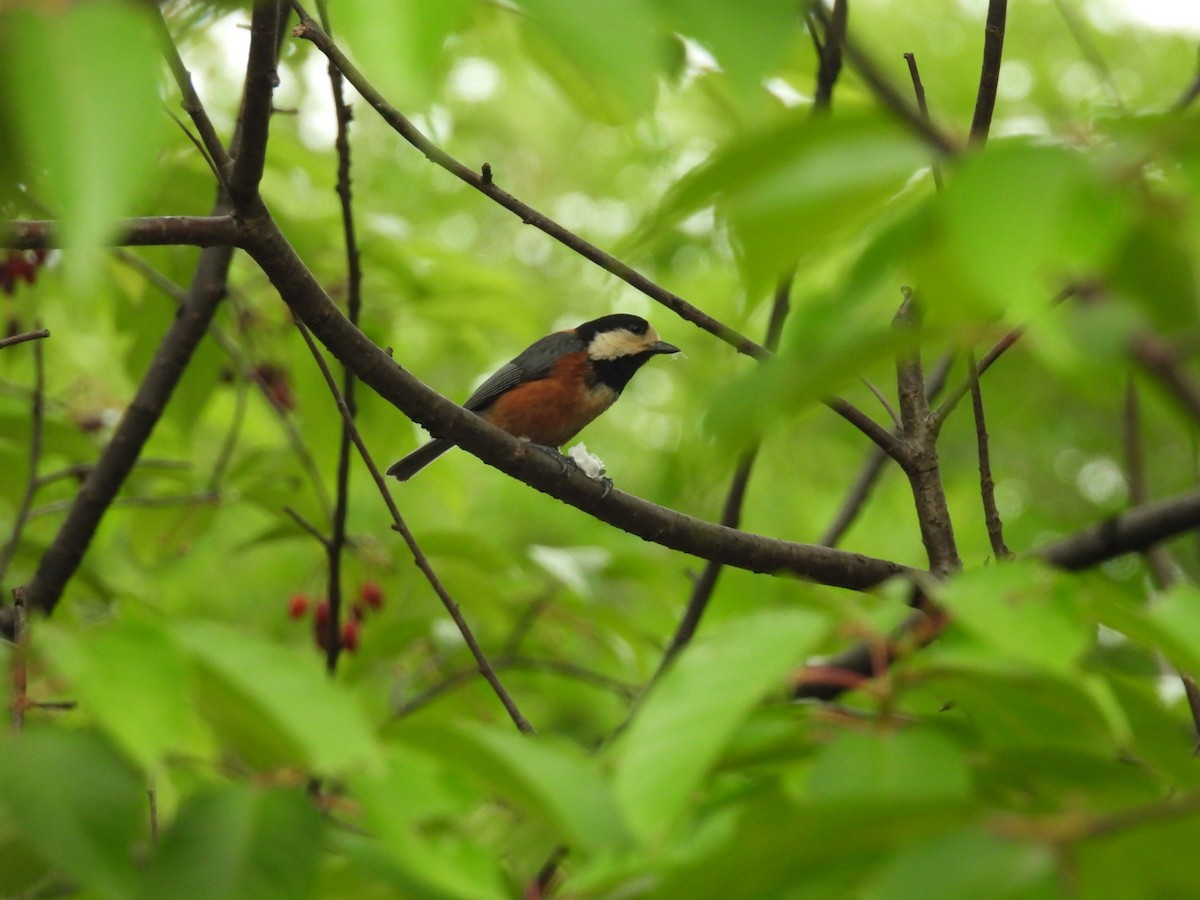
x=566 y=462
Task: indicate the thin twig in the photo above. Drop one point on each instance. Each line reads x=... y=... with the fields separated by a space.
x=17 y=627
x=830 y=57
x=1161 y=361
x=309 y=30
x=307 y=526
x=1090 y=51
x=337 y=539
x=200 y=498
x=888 y=95
x=987 y=487
x=1189 y=95
x=37 y=421
x=247 y=371
x=38 y=335
x=923 y=108
x=191 y=102
x=422 y=562
x=883 y=401
x=513 y=661
x=989 y=73
x=873 y=467
x=731 y=515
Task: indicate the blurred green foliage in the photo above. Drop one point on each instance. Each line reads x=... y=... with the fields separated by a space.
x=1034 y=751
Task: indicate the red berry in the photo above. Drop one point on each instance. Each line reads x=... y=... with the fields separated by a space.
x=350 y=635
x=372 y=594
x=321 y=624
x=298 y=606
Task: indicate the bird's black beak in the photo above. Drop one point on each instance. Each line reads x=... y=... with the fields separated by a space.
x=664 y=347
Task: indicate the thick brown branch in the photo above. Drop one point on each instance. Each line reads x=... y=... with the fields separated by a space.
x=920 y=462
x=1130 y=532
x=193 y=231
x=254 y=118
x=1133 y=531
x=445 y=419
x=66 y=552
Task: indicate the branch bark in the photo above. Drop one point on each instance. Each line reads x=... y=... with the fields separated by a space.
x=193 y=231
x=443 y=418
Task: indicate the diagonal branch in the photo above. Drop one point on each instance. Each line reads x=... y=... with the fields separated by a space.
x=484 y=183
x=443 y=418
x=485 y=668
x=886 y=93
x=117 y=459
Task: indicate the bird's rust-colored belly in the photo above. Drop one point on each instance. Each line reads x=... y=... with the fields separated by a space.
x=552 y=410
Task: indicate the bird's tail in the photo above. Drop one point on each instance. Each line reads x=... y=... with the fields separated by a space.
x=419 y=459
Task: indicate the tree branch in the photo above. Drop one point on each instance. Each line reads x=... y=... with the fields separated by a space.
x=987 y=486
x=118 y=458
x=1133 y=531
x=830 y=56
x=38 y=335
x=989 y=75
x=193 y=231
x=889 y=96
x=485 y=668
x=483 y=182
x=254 y=118
x=920 y=462
x=443 y=418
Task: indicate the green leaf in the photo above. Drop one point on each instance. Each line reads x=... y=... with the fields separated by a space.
x=130 y=677
x=548 y=776
x=692 y=712
x=748 y=40
x=1017 y=221
x=1020 y=710
x=401 y=45
x=779 y=849
x=1150 y=858
x=902 y=766
x=239 y=841
x=574 y=44
x=406 y=806
x=1177 y=613
x=65 y=70
x=1027 y=612
x=798 y=186
x=273 y=705
x=78 y=802
x=969 y=863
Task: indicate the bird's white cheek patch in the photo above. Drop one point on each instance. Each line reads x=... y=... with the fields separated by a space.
x=615 y=344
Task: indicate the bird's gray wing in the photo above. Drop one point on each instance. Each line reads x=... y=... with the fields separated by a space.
x=533 y=364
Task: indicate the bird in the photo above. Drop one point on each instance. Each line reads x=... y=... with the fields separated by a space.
x=556 y=386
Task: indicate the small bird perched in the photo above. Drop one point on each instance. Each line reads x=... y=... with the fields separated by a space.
x=556 y=386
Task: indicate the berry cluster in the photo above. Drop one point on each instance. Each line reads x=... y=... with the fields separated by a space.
x=20 y=265
x=370 y=597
